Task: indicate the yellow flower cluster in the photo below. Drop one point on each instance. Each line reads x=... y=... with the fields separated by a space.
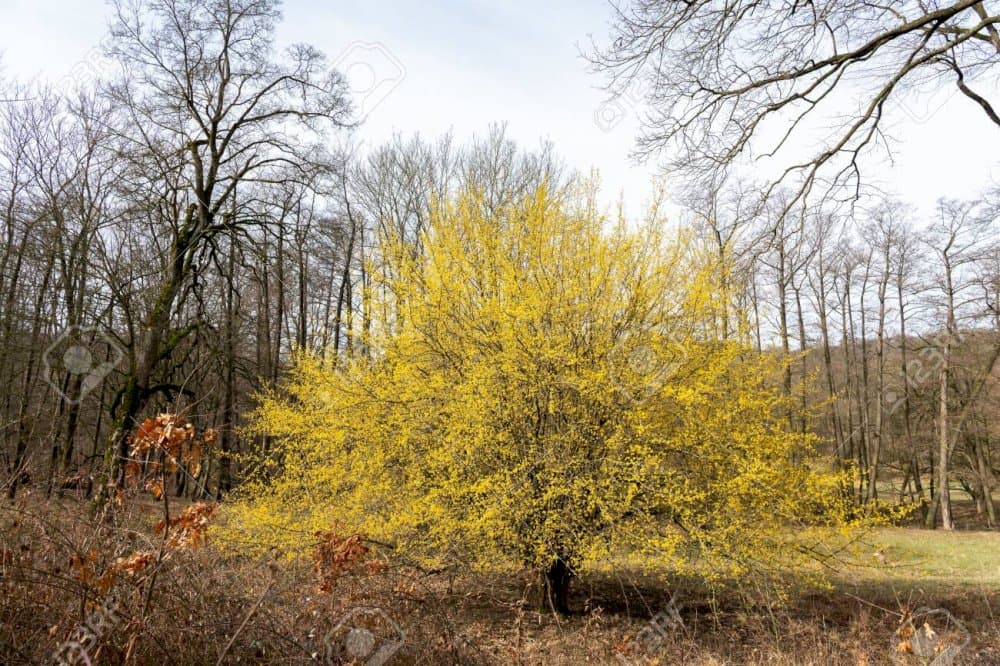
x=543 y=385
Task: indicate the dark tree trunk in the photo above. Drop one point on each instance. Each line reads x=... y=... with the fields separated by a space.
x=556 y=587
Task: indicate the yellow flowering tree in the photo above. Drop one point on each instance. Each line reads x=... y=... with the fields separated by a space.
x=545 y=390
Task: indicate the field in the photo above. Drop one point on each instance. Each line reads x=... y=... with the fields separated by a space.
x=203 y=606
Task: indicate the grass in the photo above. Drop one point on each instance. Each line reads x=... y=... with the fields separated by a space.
x=949 y=559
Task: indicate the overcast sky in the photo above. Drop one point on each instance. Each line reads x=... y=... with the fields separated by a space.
x=444 y=64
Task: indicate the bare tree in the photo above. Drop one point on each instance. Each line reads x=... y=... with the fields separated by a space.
x=956 y=238
x=883 y=232
x=719 y=77
x=212 y=110
x=821 y=280
x=904 y=265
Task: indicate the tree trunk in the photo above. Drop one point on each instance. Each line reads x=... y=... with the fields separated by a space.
x=944 y=491
x=864 y=404
x=907 y=407
x=156 y=344
x=986 y=483
x=556 y=587
x=879 y=434
x=831 y=387
x=229 y=392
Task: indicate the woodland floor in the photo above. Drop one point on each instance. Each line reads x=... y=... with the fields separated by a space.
x=206 y=607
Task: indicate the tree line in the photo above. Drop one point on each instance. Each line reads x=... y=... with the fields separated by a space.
x=892 y=320
x=174 y=232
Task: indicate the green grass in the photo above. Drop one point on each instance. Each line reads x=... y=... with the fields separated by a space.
x=956 y=559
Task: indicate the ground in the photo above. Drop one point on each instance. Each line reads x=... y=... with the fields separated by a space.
x=204 y=606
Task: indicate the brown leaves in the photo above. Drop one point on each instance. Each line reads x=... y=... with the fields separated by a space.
x=85 y=571
x=132 y=471
x=185 y=530
x=167 y=434
x=158 y=446
x=924 y=641
x=163 y=444
x=336 y=555
x=155 y=486
x=134 y=564
x=82 y=566
x=188 y=529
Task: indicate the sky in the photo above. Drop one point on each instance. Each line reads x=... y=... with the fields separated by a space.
x=441 y=65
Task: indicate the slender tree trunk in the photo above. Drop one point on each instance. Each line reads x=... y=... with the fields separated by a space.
x=986 y=483
x=345 y=281
x=879 y=431
x=804 y=363
x=279 y=318
x=302 y=331
x=944 y=491
x=229 y=368
x=847 y=346
x=831 y=386
x=756 y=309
x=27 y=387
x=865 y=399
x=944 y=439
x=911 y=446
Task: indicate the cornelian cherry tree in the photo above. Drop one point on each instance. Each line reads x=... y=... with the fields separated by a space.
x=546 y=390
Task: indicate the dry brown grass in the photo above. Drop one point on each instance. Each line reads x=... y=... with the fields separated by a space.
x=202 y=607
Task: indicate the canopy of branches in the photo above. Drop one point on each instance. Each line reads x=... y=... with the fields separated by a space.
x=726 y=80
